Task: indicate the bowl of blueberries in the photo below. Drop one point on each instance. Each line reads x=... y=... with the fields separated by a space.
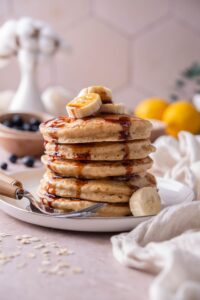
x=19 y=133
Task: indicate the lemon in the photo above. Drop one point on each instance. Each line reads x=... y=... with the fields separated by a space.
x=152 y=108
x=181 y=115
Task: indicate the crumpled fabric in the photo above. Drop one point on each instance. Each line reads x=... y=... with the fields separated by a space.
x=179 y=159
x=168 y=245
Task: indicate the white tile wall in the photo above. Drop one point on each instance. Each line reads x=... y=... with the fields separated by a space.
x=136 y=47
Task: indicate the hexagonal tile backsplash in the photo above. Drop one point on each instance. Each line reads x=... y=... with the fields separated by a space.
x=136 y=47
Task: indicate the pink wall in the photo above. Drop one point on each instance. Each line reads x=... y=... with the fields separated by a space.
x=136 y=47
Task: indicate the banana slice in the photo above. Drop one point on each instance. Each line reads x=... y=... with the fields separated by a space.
x=113 y=108
x=145 y=202
x=84 y=106
x=104 y=92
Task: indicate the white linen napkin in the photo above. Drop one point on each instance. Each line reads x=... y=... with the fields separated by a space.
x=179 y=159
x=168 y=245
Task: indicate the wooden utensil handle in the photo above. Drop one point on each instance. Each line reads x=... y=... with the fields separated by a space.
x=12 y=191
x=10 y=180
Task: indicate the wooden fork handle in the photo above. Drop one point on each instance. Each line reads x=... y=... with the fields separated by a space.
x=12 y=191
x=10 y=180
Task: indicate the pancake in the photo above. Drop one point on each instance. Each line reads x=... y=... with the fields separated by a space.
x=101 y=151
x=101 y=128
x=93 y=170
x=70 y=204
x=101 y=190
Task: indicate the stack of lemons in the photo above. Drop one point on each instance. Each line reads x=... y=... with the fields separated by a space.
x=178 y=116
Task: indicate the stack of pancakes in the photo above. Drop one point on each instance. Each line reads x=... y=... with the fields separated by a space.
x=102 y=158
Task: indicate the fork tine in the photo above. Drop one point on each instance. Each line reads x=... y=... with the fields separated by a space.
x=93 y=207
x=84 y=211
x=79 y=213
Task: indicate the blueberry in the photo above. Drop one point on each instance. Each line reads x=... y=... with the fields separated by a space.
x=17 y=127
x=17 y=120
x=29 y=161
x=8 y=123
x=26 y=127
x=34 y=128
x=4 y=166
x=13 y=158
x=35 y=122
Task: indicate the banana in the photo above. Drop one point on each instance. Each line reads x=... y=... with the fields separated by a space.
x=104 y=92
x=83 y=106
x=113 y=108
x=145 y=202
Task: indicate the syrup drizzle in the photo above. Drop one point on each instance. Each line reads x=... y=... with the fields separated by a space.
x=124 y=134
x=125 y=122
x=48 y=202
x=55 y=124
x=79 y=168
x=126 y=151
x=128 y=166
x=79 y=185
x=79 y=182
x=51 y=190
x=83 y=156
x=82 y=153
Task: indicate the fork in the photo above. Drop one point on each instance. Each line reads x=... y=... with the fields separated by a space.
x=14 y=189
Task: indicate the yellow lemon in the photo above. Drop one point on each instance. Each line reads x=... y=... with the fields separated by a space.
x=152 y=108
x=181 y=115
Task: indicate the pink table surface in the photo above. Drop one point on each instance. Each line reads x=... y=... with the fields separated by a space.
x=102 y=278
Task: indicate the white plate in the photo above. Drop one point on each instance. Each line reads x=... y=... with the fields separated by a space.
x=171 y=192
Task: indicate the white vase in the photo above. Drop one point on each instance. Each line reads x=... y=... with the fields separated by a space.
x=27 y=97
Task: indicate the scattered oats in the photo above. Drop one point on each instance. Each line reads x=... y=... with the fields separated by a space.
x=60 y=273
x=26 y=236
x=77 y=270
x=5 y=234
x=42 y=270
x=17 y=253
x=3 y=256
x=34 y=239
x=64 y=265
x=62 y=251
x=25 y=241
x=31 y=255
x=39 y=246
x=22 y=265
x=54 y=270
x=45 y=251
x=4 y=259
x=45 y=262
x=50 y=244
x=46 y=266
x=18 y=237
